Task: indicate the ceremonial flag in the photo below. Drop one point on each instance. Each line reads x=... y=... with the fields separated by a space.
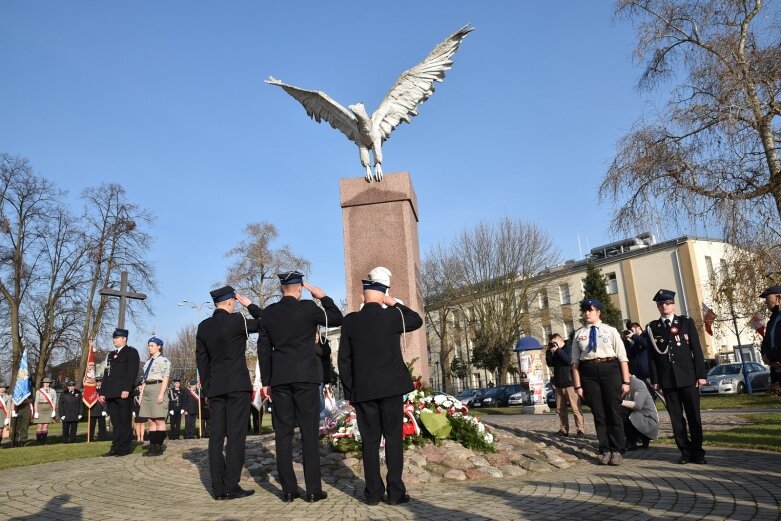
x=257 y=399
x=757 y=324
x=708 y=316
x=90 y=394
x=22 y=387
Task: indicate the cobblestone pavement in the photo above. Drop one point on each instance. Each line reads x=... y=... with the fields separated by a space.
x=735 y=485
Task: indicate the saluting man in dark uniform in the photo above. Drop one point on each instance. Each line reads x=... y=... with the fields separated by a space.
x=175 y=408
x=290 y=366
x=678 y=367
x=119 y=380
x=375 y=378
x=220 y=343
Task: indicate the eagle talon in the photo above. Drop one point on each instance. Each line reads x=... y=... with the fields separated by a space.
x=378 y=172
x=369 y=177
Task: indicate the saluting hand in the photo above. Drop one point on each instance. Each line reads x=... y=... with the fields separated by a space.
x=389 y=301
x=314 y=290
x=244 y=301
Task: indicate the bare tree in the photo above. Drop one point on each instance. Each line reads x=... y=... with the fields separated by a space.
x=712 y=155
x=497 y=267
x=53 y=308
x=181 y=353
x=116 y=242
x=26 y=201
x=256 y=263
x=441 y=292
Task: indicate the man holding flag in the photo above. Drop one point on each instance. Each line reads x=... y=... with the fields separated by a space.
x=22 y=408
x=90 y=393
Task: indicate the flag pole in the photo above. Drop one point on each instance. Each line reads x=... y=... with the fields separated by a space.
x=200 y=413
x=89 y=423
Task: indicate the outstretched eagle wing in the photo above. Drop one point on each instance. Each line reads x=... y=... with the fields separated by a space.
x=415 y=85
x=319 y=106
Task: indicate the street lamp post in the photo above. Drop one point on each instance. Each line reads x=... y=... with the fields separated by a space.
x=197 y=307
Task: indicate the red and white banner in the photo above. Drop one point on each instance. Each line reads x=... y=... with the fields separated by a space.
x=90 y=394
x=758 y=325
x=708 y=316
x=257 y=399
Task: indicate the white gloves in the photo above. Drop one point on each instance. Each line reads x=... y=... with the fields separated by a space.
x=181 y=412
x=13 y=414
x=79 y=416
x=103 y=413
x=629 y=404
x=62 y=418
x=170 y=413
x=54 y=415
x=7 y=421
x=35 y=415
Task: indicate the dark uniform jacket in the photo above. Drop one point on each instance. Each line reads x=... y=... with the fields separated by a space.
x=69 y=405
x=561 y=362
x=175 y=400
x=638 y=353
x=371 y=365
x=682 y=363
x=97 y=408
x=287 y=348
x=771 y=342
x=121 y=373
x=189 y=403
x=220 y=345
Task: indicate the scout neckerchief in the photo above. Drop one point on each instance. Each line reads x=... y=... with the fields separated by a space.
x=46 y=395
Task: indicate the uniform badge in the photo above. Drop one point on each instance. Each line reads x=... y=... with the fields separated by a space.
x=674 y=330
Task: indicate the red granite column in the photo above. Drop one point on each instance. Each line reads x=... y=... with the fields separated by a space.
x=380 y=222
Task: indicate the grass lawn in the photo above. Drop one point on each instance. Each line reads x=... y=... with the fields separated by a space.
x=55 y=450
x=763 y=434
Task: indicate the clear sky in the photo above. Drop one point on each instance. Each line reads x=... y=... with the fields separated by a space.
x=167 y=98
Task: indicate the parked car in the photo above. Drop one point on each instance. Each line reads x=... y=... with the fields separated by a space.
x=467 y=395
x=728 y=378
x=496 y=396
x=519 y=398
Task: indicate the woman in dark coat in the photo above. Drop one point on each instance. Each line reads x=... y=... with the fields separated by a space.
x=70 y=408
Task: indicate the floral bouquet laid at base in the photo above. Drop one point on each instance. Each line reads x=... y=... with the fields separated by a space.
x=427 y=418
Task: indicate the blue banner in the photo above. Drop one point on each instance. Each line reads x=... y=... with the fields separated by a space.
x=22 y=388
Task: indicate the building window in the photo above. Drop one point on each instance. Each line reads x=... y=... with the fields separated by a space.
x=612 y=284
x=543 y=299
x=547 y=331
x=564 y=294
x=709 y=267
x=570 y=329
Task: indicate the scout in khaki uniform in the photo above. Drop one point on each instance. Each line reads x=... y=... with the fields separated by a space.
x=154 y=398
x=45 y=410
x=5 y=410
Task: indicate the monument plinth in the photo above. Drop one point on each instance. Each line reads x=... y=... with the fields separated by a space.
x=380 y=222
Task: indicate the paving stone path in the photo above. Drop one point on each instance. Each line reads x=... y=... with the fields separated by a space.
x=735 y=485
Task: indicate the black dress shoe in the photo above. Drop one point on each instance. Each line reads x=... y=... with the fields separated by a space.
x=700 y=460
x=683 y=460
x=109 y=453
x=372 y=502
x=403 y=499
x=288 y=497
x=237 y=494
x=314 y=498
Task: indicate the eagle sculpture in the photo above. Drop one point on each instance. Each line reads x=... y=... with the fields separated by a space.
x=412 y=88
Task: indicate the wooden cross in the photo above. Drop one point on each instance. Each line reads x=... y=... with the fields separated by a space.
x=123 y=295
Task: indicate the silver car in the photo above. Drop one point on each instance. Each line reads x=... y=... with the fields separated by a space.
x=728 y=378
x=519 y=398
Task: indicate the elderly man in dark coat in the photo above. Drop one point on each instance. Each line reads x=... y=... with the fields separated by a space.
x=771 y=342
x=375 y=378
x=220 y=344
x=119 y=380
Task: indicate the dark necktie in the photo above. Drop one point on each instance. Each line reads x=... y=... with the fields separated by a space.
x=148 y=368
x=592 y=340
x=667 y=324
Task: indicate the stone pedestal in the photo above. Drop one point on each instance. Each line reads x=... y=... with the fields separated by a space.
x=535 y=409
x=380 y=222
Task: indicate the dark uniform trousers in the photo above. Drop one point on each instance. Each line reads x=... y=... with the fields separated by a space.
x=297 y=404
x=21 y=424
x=100 y=420
x=376 y=418
x=229 y=417
x=69 y=431
x=120 y=410
x=190 y=429
x=601 y=384
x=685 y=399
x=176 y=423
